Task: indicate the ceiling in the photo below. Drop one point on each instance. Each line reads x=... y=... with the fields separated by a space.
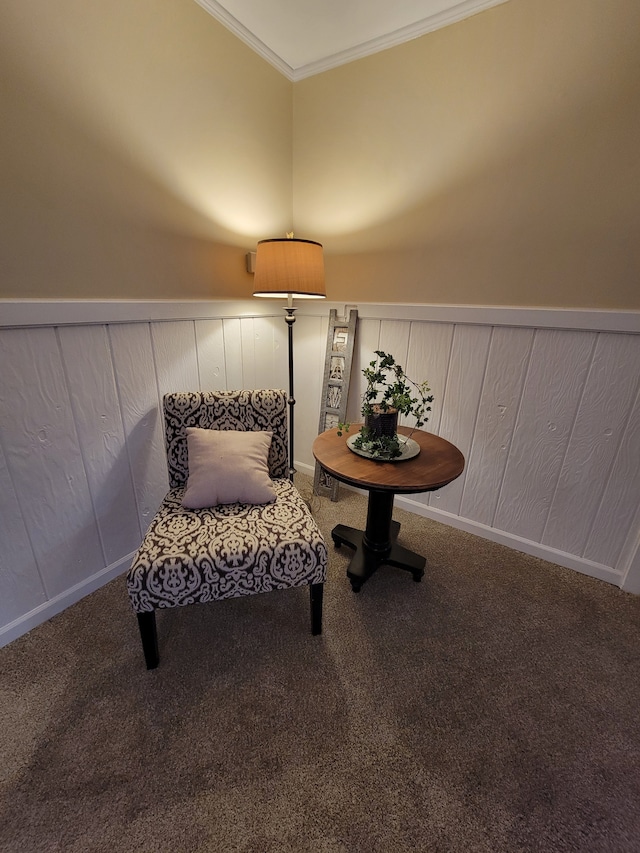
x=304 y=37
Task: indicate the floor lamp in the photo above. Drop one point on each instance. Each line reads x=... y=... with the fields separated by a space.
x=289 y=269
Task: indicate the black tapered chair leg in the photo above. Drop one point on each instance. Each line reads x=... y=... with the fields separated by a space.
x=316 y=591
x=149 y=637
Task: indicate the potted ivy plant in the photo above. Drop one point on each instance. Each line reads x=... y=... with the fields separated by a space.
x=389 y=393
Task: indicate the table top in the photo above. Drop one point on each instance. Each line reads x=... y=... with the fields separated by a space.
x=438 y=463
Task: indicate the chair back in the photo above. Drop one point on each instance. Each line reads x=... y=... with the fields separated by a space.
x=240 y=410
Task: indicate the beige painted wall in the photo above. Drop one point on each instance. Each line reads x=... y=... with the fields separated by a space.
x=144 y=149
x=496 y=161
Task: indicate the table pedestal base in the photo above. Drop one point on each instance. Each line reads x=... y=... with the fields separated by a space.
x=377 y=544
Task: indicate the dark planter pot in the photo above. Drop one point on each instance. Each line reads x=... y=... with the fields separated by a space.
x=382 y=423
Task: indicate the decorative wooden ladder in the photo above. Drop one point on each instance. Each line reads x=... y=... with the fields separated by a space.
x=335 y=388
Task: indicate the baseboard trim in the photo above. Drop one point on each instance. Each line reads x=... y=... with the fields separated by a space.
x=525 y=546
x=25 y=623
x=631 y=580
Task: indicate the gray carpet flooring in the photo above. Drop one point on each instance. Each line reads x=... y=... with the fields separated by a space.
x=493 y=707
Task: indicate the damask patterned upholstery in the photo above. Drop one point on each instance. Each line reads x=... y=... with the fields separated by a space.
x=196 y=556
x=243 y=410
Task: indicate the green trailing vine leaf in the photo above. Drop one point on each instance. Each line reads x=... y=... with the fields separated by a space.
x=390 y=389
x=378 y=446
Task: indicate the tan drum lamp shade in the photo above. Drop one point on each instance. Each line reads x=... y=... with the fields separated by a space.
x=289 y=268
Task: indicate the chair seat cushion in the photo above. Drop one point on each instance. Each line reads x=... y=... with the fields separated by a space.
x=226 y=551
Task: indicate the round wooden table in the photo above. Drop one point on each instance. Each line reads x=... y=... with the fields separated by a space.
x=438 y=463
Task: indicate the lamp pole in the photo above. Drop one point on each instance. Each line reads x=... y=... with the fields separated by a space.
x=290 y=318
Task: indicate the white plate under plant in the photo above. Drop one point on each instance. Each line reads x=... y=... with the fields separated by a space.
x=407 y=446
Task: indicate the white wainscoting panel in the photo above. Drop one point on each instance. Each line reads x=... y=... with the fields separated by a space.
x=264 y=352
x=393 y=339
x=506 y=367
x=467 y=364
x=620 y=497
x=603 y=416
x=101 y=436
x=174 y=348
x=233 y=352
x=43 y=456
x=139 y=398
x=548 y=419
x=211 y=356
x=428 y=358
x=552 y=391
x=21 y=584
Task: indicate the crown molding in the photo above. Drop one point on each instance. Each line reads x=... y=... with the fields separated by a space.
x=459 y=12
x=245 y=35
x=412 y=31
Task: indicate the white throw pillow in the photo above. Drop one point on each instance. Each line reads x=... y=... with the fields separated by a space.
x=227 y=466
